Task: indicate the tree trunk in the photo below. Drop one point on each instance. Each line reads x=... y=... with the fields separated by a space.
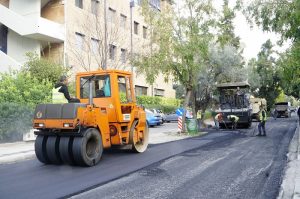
x=185 y=105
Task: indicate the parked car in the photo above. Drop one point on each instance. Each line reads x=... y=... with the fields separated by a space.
x=162 y=115
x=172 y=117
x=152 y=118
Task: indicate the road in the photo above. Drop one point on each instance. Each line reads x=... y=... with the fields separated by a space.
x=224 y=164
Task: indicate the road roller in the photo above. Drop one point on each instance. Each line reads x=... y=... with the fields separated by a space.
x=107 y=116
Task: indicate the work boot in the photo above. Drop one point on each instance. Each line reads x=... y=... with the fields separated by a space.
x=263 y=135
x=258 y=134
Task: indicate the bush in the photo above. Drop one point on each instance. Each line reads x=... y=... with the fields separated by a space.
x=15 y=120
x=19 y=94
x=22 y=88
x=167 y=105
x=43 y=69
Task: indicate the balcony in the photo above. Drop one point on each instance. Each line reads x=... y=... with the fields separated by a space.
x=38 y=28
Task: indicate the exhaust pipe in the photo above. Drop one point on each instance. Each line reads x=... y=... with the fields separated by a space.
x=90 y=93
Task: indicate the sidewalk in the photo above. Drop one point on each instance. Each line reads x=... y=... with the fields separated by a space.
x=290 y=187
x=18 y=151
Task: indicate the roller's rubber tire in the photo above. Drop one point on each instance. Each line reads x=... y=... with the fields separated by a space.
x=40 y=149
x=65 y=150
x=52 y=149
x=87 y=150
x=141 y=146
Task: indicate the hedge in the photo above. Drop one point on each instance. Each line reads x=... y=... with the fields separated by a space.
x=16 y=119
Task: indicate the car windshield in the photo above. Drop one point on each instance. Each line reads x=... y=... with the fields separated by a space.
x=149 y=113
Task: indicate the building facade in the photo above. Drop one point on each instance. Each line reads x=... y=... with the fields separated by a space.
x=82 y=34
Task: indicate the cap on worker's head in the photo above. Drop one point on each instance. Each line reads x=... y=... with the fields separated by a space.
x=62 y=78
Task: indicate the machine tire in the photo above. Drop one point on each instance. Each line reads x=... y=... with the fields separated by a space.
x=52 y=149
x=87 y=150
x=139 y=147
x=40 y=149
x=65 y=150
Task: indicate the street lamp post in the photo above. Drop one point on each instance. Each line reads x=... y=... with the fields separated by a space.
x=105 y=37
x=131 y=34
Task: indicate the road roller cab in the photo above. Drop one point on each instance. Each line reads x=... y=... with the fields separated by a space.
x=107 y=115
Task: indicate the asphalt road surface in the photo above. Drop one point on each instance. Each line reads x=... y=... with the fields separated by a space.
x=222 y=164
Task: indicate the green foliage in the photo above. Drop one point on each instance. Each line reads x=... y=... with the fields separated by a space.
x=21 y=87
x=123 y=98
x=290 y=70
x=281 y=97
x=226 y=29
x=149 y=100
x=43 y=69
x=15 y=120
x=165 y=108
x=167 y=105
x=282 y=17
x=268 y=72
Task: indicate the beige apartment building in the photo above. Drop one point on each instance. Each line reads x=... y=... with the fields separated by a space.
x=82 y=34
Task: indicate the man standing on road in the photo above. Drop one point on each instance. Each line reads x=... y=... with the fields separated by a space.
x=199 y=119
x=298 y=113
x=234 y=119
x=262 y=122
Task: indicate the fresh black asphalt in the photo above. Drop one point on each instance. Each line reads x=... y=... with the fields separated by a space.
x=221 y=164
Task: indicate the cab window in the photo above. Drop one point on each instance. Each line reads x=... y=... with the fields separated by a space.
x=100 y=86
x=124 y=89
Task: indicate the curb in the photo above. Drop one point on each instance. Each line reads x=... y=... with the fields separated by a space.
x=290 y=186
x=297 y=176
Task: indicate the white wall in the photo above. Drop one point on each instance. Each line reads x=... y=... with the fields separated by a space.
x=7 y=63
x=28 y=8
x=17 y=46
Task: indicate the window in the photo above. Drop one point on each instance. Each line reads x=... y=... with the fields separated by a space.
x=112 y=51
x=111 y=15
x=94 y=6
x=136 y=28
x=79 y=4
x=123 y=55
x=79 y=40
x=95 y=46
x=159 y=92
x=144 y=32
x=100 y=86
x=124 y=89
x=123 y=21
x=140 y=90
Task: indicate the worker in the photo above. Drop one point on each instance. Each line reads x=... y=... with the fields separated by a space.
x=298 y=113
x=60 y=93
x=275 y=113
x=199 y=119
x=234 y=119
x=218 y=118
x=262 y=121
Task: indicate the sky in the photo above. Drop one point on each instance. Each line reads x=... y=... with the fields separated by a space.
x=251 y=38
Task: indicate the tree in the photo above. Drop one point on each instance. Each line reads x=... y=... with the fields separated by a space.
x=224 y=66
x=97 y=49
x=226 y=29
x=179 y=47
x=289 y=63
x=282 y=17
x=269 y=87
x=43 y=69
